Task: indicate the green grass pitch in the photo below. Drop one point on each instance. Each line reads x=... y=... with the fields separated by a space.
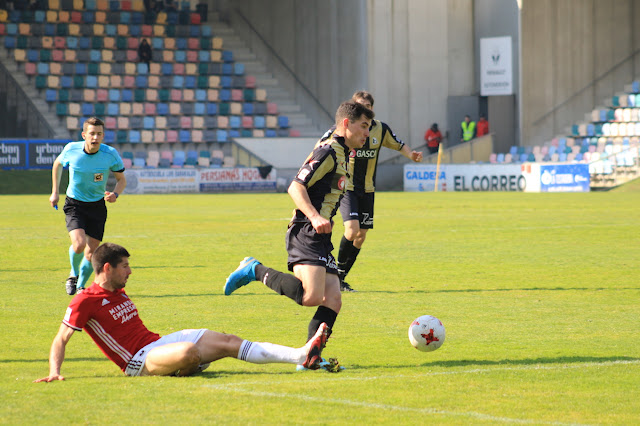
x=539 y=294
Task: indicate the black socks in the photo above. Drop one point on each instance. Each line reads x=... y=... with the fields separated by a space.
x=284 y=284
x=323 y=314
x=346 y=256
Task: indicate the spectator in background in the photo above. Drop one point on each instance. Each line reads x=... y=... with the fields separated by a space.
x=144 y=53
x=433 y=137
x=467 y=129
x=483 y=126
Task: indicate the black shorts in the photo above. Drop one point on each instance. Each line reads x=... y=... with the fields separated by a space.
x=305 y=246
x=354 y=206
x=88 y=216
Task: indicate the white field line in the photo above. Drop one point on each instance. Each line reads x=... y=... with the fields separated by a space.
x=238 y=388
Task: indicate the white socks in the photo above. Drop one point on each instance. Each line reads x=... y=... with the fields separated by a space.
x=265 y=353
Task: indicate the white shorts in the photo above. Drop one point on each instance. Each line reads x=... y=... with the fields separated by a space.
x=134 y=367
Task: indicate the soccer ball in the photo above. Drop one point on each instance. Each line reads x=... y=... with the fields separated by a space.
x=426 y=333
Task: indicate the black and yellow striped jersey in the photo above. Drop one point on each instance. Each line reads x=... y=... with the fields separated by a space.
x=363 y=162
x=325 y=174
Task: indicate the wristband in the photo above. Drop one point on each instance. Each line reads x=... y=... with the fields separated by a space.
x=117 y=195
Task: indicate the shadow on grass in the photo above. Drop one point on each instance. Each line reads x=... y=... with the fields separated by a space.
x=564 y=360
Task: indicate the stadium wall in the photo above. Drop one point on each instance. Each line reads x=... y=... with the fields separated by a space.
x=414 y=55
x=575 y=54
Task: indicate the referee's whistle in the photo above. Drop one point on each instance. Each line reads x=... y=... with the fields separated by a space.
x=55 y=207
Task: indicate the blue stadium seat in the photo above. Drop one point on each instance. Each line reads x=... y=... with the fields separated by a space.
x=113 y=109
x=167 y=68
x=66 y=82
x=180 y=56
x=51 y=95
x=201 y=95
x=238 y=69
x=135 y=31
x=141 y=68
x=127 y=95
x=226 y=81
x=149 y=123
x=227 y=69
x=204 y=56
x=227 y=56
x=142 y=81
x=9 y=42
x=247 y=108
x=162 y=108
x=179 y=158
x=270 y=133
x=283 y=121
x=224 y=95
x=212 y=108
x=221 y=135
x=92 y=81
x=109 y=136
x=178 y=82
x=125 y=18
x=259 y=122
x=185 y=136
x=199 y=108
x=114 y=95
x=134 y=136
x=235 y=122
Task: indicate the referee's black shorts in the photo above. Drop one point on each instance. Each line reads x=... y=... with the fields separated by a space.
x=88 y=216
x=305 y=246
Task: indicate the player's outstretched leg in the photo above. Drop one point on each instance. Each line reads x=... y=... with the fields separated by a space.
x=243 y=275
x=316 y=344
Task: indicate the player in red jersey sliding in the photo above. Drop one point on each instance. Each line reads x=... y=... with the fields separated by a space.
x=107 y=314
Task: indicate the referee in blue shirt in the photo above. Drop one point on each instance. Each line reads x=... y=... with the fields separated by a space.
x=89 y=164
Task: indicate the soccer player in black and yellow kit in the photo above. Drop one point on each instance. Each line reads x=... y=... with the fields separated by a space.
x=356 y=206
x=316 y=191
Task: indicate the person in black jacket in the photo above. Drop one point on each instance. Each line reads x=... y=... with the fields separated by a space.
x=144 y=53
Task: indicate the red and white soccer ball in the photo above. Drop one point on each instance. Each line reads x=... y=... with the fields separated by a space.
x=426 y=333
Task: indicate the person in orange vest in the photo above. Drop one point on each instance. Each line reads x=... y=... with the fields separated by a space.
x=483 y=126
x=467 y=129
x=433 y=137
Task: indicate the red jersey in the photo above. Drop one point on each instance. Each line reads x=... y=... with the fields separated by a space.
x=112 y=321
x=482 y=127
x=433 y=138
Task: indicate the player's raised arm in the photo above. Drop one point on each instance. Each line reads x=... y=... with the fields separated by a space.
x=56 y=355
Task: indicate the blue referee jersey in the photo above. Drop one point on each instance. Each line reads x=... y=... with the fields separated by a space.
x=88 y=173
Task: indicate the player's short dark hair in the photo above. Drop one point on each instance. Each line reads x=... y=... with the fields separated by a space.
x=353 y=111
x=108 y=253
x=93 y=121
x=363 y=94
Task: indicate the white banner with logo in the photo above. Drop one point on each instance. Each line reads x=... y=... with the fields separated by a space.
x=168 y=181
x=526 y=177
x=464 y=177
x=496 y=70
